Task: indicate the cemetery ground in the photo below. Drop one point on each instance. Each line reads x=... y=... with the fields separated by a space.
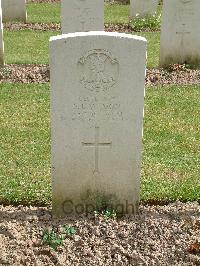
x=167 y=229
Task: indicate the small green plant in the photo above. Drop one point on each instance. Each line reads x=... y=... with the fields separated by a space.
x=69 y=231
x=107 y=214
x=178 y=67
x=52 y=239
x=149 y=22
x=6 y=71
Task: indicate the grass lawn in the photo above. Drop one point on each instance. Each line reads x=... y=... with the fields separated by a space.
x=171 y=163
x=46 y=13
x=32 y=46
x=25 y=143
x=116 y=13
x=153 y=47
x=43 y=13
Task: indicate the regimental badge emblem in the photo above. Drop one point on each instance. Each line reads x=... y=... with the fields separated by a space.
x=98 y=70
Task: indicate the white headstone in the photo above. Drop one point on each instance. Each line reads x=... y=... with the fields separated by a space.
x=82 y=15
x=97 y=100
x=180 y=32
x=142 y=8
x=14 y=10
x=1 y=39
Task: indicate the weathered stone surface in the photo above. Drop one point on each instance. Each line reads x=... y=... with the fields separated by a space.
x=82 y=15
x=14 y=10
x=180 y=32
x=1 y=39
x=97 y=99
x=142 y=8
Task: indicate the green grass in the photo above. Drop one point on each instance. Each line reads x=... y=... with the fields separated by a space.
x=43 y=13
x=117 y=13
x=50 y=13
x=25 y=143
x=171 y=163
x=153 y=47
x=31 y=47
x=27 y=46
x=47 y=13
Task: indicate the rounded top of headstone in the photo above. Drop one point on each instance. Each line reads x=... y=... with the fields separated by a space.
x=97 y=34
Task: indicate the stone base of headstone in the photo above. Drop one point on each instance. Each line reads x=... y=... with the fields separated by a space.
x=143 y=8
x=14 y=10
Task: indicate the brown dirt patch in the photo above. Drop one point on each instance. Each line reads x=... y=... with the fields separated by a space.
x=123 y=28
x=57 y=1
x=40 y=74
x=43 y=1
x=181 y=77
x=24 y=74
x=33 y=26
x=158 y=235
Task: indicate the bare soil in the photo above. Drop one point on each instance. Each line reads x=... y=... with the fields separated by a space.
x=24 y=74
x=40 y=74
x=33 y=26
x=175 y=76
x=57 y=1
x=123 y=28
x=159 y=235
x=43 y=1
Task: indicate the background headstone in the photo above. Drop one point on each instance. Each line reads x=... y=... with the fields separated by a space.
x=14 y=10
x=180 y=32
x=82 y=15
x=142 y=8
x=1 y=39
x=97 y=99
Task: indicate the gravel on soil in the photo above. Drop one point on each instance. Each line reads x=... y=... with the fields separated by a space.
x=119 y=27
x=24 y=74
x=43 y=1
x=159 y=235
x=32 y=26
x=177 y=76
x=15 y=73
x=57 y=1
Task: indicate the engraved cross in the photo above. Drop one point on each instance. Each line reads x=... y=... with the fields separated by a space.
x=83 y=15
x=183 y=32
x=96 y=144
